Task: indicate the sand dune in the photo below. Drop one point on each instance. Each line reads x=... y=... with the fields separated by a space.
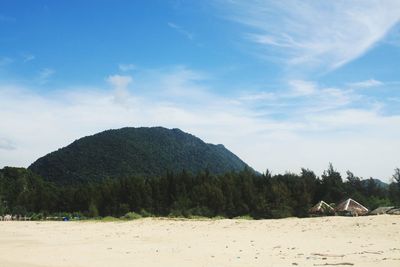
x=329 y=241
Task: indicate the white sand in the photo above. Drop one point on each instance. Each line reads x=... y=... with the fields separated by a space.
x=362 y=241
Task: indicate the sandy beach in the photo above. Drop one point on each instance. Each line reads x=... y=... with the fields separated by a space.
x=336 y=241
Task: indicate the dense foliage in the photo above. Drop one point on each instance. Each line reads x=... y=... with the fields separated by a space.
x=128 y=152
x=182 y=194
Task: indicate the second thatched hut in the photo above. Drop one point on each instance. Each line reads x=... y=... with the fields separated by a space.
x=350 y=207
x=321 y=209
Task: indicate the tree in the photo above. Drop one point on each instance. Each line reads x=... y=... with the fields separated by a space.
x=93 y=211
x=2 y=206
x=353 y=180
x=394 y=188
x=396 y=175
x=353 y=185
x=332 y=185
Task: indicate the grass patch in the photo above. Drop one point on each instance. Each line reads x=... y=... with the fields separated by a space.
x=110 y=219
x=219 y=218
x=244 y=217
x=131 y=216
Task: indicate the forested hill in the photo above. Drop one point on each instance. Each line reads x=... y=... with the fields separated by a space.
x=126 y=152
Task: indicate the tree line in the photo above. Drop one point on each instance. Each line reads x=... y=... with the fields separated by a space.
x=232 y=194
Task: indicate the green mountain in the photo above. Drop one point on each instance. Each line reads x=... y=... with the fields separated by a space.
x=125 y=152
x=378 y=182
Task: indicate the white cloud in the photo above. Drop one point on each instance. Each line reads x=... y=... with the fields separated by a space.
x=258 y=96
x=362 y=140
x=44 y=75
x=120 y=84
x=119 y=81
x=28 y=57
x=6 y=144
x=5 y=61
x=324 y=34
x=126 y=67
x=366 y=84
x=300 y=87
x=181 y=30
x=302 y=97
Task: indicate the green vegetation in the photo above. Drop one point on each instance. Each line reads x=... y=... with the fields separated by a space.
x=109 y=219
x=244 y=217
x=132 y=216
x=131 y=173
x=244 y=194
x=134 y=152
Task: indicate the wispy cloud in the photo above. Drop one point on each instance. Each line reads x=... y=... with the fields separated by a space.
x=6 y=144
x=181 y=30
x=28 y=57
x=324 y=34
x=126 y=67
x=119 y=81
x=300 y=99
x=120 y=84
x=300 y=87
x=44 y=75
x=247 y=124
x=366 y=84
x=5 y=61
x=261 y=96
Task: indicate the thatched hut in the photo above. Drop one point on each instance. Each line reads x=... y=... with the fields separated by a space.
x=395 y=211
x=321 y=208
x=381 y=210
x=350 y=207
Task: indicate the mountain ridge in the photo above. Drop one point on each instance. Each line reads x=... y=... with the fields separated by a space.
x=129 y=151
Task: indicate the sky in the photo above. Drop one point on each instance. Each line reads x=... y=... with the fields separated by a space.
x=283 y=84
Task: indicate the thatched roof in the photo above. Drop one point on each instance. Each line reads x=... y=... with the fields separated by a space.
x=395 y=211
x=352 y=207
x=321 y=207
x=381 y=210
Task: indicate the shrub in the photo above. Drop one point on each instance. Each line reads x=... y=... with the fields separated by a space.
x=37 y=217
x=93 y=211
x=132 y=216
x=109 y=219
x=244 y=217
x=145 y=213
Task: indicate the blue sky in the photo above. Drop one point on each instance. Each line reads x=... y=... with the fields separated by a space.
x=283 y=84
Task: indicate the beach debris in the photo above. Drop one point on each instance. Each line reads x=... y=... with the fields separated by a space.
x=328 y=255
x=334 y=264
x=371 y=252
x=393 y=259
